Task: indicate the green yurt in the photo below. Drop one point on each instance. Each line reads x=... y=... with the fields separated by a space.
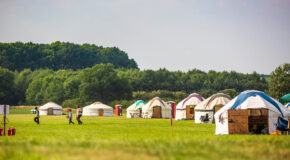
x=285 y=99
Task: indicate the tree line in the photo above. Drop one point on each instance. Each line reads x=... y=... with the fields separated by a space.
x=103 y=82
x=60 y=55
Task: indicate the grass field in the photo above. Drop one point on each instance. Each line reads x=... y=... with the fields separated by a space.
x=122 y=138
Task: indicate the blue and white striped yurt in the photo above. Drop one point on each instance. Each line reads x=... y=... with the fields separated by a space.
x=251 y=99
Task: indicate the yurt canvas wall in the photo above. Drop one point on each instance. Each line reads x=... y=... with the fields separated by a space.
x=185 y=108
x=250 y=112
x=156 y=108
x=135 y=110
x=50 y=108
x=97 y=109
x=204 y=111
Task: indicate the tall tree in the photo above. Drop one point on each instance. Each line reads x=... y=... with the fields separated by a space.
x=279 y=84
x=101 y=83
x=7 y=92
x=60 y=55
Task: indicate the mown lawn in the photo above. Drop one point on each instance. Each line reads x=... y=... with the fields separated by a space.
x=122 y=138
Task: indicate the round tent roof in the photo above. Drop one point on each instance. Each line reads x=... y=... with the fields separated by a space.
x=50 y=105
x=98 y=105
x=285 y=99
x=137 y=105
x=212 y=101
x=156 y=101
x=192 y=99
x=254 y=99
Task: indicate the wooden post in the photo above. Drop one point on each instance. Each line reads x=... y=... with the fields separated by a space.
x=171 y=123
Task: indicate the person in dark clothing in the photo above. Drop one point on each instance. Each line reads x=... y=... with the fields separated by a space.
x=70 y=117
x=79 y=114
x=36 y=119
x=120 y=110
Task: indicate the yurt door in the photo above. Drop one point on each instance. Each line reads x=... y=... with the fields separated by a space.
x=140 y=112
x=238 y=121
x=157 y=112
x=217 y=107
x=101 y=112
x=190 y=112
x=50 y=111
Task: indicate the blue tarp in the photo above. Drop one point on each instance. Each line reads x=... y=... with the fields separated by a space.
x=244 y=96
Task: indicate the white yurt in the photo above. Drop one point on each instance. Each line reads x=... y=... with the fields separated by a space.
x=135 y=110
x=247 y=112
x=97 y=109
x=204 y=111
x=156 y=108
x=50 y=108
x=185 y=108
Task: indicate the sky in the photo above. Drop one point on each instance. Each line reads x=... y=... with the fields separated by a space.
x=221 y=35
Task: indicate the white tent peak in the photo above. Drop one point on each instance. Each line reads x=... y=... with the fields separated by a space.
x=97 y=102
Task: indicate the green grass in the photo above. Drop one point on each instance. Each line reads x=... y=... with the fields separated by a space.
x=20 y=111
x=122 y=138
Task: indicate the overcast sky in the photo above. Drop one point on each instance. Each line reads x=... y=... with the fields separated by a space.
x=240 y=35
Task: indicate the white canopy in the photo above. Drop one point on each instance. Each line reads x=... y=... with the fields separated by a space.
x=93 y=109
x=250 y=99
x=147 y=110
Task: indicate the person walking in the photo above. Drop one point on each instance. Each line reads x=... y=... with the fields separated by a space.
x=79 y=114
x=70 y=117
x=36 y=119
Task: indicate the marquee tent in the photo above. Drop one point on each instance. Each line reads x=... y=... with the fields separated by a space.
x=156 y=108
x=50 y=108
x=204 y=111
x=135 y=110
x=185 y=108
x=98 y=109
x=250 y=99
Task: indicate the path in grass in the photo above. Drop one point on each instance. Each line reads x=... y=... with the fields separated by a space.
x=122 y=138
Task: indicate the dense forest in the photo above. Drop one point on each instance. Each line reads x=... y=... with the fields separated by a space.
x=103 y=82
x=60 y=55
x=70 y=74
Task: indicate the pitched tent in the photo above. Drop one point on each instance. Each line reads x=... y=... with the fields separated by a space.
x=285 y=99
x=135 y=110
x=185 y=108
x=156 y=108
x=250 y=101
x=98 y=109
x=204 y=111
x=50 y=108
